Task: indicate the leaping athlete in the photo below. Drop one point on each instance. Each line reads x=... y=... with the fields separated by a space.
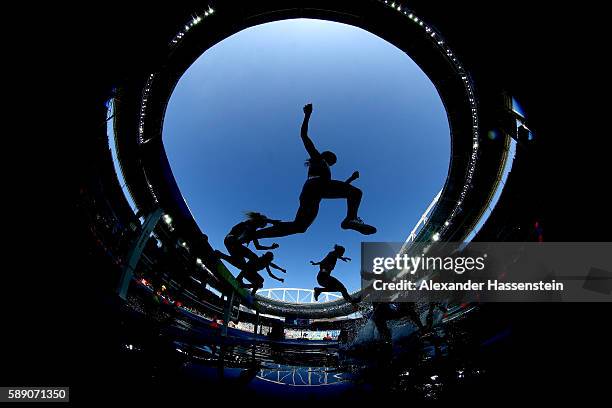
x=329 y=283
x=320 y=185
x=253 y=266
x=241 y=234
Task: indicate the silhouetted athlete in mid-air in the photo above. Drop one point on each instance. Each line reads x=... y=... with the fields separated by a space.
x=240 y=235
x=328 y=282
x=253 y=266
x=320 y=185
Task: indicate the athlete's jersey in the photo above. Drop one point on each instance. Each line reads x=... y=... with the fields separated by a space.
x=329 y=262
x=256 y=265
x=317 y=167
x=243 y=232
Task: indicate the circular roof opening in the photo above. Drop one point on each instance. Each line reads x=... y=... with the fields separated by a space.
x=231 y=133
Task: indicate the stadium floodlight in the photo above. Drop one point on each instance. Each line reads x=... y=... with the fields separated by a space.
x=198 y=261
x=436 y=236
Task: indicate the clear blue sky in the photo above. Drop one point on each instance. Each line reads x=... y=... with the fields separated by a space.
x=231 y=132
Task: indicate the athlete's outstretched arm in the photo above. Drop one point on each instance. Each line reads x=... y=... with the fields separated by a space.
x=260 y=247
x=315 y=263
x=275 y=266
x=272 y=275
x=308 y=144
x=345 y=258
x=353 y=177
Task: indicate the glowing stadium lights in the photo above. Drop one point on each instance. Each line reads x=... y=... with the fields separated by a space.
x=436 y=236
x=438 y=40
x=422 y=221
x=168 y=221
x=153 y=192
x=146 y=93
x=193 y=22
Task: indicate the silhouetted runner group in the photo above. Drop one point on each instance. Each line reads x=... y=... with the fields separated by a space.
x=318 y=186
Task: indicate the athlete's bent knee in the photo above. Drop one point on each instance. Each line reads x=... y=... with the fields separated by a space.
x=355 y=192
